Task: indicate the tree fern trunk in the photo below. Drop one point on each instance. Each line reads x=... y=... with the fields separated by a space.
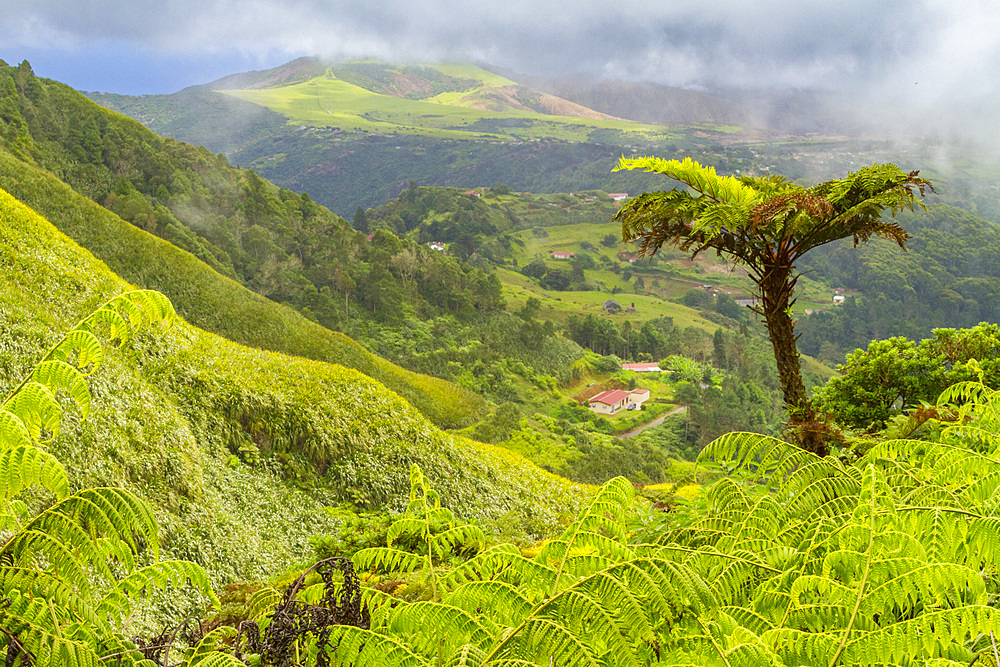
x=776 y=290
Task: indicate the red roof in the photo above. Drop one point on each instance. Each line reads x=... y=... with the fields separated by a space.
x=610 y=397
x=562 y=253
x=650 y=366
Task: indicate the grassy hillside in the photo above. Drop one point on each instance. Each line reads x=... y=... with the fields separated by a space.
x=216 y=303
x=460 y=101
x=240 y=449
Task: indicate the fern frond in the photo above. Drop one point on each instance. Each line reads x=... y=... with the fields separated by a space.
x=503 y=562
x=37 y=408
x=118 y=603
x=216 y=659
x=762 y=456
x=430 y=628
x=466 y=656
x=36 y=584
x=703 y=180
x=465 y=536
x=24 y=466
x=55 y=375
x=82 y=346
x=797 y=647
x=498 y=601
x=385 y=559
x=933 y=585
x=405 y=526
x=206 y=652
x=348 y=645
x=262 y=603
x=931 y=635
x=67 y=533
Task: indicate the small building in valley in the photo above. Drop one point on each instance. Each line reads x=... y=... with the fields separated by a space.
x=611 y=306
x=615 y=400
x=642 y=367
x=560 y=254
x=618 y=196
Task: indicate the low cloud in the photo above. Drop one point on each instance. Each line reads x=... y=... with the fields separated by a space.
x=928 y=63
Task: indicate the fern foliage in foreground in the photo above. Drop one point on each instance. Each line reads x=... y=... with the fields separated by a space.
x=791 y=559
x=72 y=575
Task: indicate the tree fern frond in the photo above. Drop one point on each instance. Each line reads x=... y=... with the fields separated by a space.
x=466 y=536
x=118 y=603
x=55 y=375
x=24 y=466
x=798 y=647
x=36 y=584
x=466 y=656
x=428 y=627
x=83 y=347
x=703 y=180
x=13 y=432
x=539 y=636
x=752 y=453
x=930 y=635
x=406 y=526
x=206 y=652
x=37 y=408
x=262 y=603
x=216 y=659
x=384 y=559
x=933 y=585
x=499 y=601
x=483 y=566
x=354 y=647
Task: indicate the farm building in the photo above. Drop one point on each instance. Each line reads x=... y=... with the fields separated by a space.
x=614 y=400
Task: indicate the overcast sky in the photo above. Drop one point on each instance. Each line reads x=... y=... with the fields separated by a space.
x=929 y=57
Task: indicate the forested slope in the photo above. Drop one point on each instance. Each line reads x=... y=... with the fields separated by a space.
x=239 y=449
x=949 y=277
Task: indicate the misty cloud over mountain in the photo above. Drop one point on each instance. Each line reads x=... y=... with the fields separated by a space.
x=930 y=66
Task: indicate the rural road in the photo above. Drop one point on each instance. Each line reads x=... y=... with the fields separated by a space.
x=656 y=422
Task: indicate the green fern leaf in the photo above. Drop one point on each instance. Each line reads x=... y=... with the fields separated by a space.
x=119 y=602
x=384 y=559
x=56 y=375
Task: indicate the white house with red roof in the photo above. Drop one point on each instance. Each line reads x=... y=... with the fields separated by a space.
x=561 y=254
x=651 y=367
x=612 y=401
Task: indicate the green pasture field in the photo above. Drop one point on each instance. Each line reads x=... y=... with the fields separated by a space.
x=327 y=101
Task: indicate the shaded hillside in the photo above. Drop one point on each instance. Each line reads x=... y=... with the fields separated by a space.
x=237 y=448
x=216 y=303
x=197 y=116
x=949 y=278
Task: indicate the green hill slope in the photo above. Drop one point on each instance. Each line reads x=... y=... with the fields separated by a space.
x=239 y=449
x=274 y=241
x=219 y=304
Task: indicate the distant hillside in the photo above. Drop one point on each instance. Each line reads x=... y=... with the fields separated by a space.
x=238 y=449
x=354 y=134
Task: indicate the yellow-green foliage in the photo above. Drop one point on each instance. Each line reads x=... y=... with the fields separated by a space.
x=216 y=303
x=237 y=448
x=791 y=560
